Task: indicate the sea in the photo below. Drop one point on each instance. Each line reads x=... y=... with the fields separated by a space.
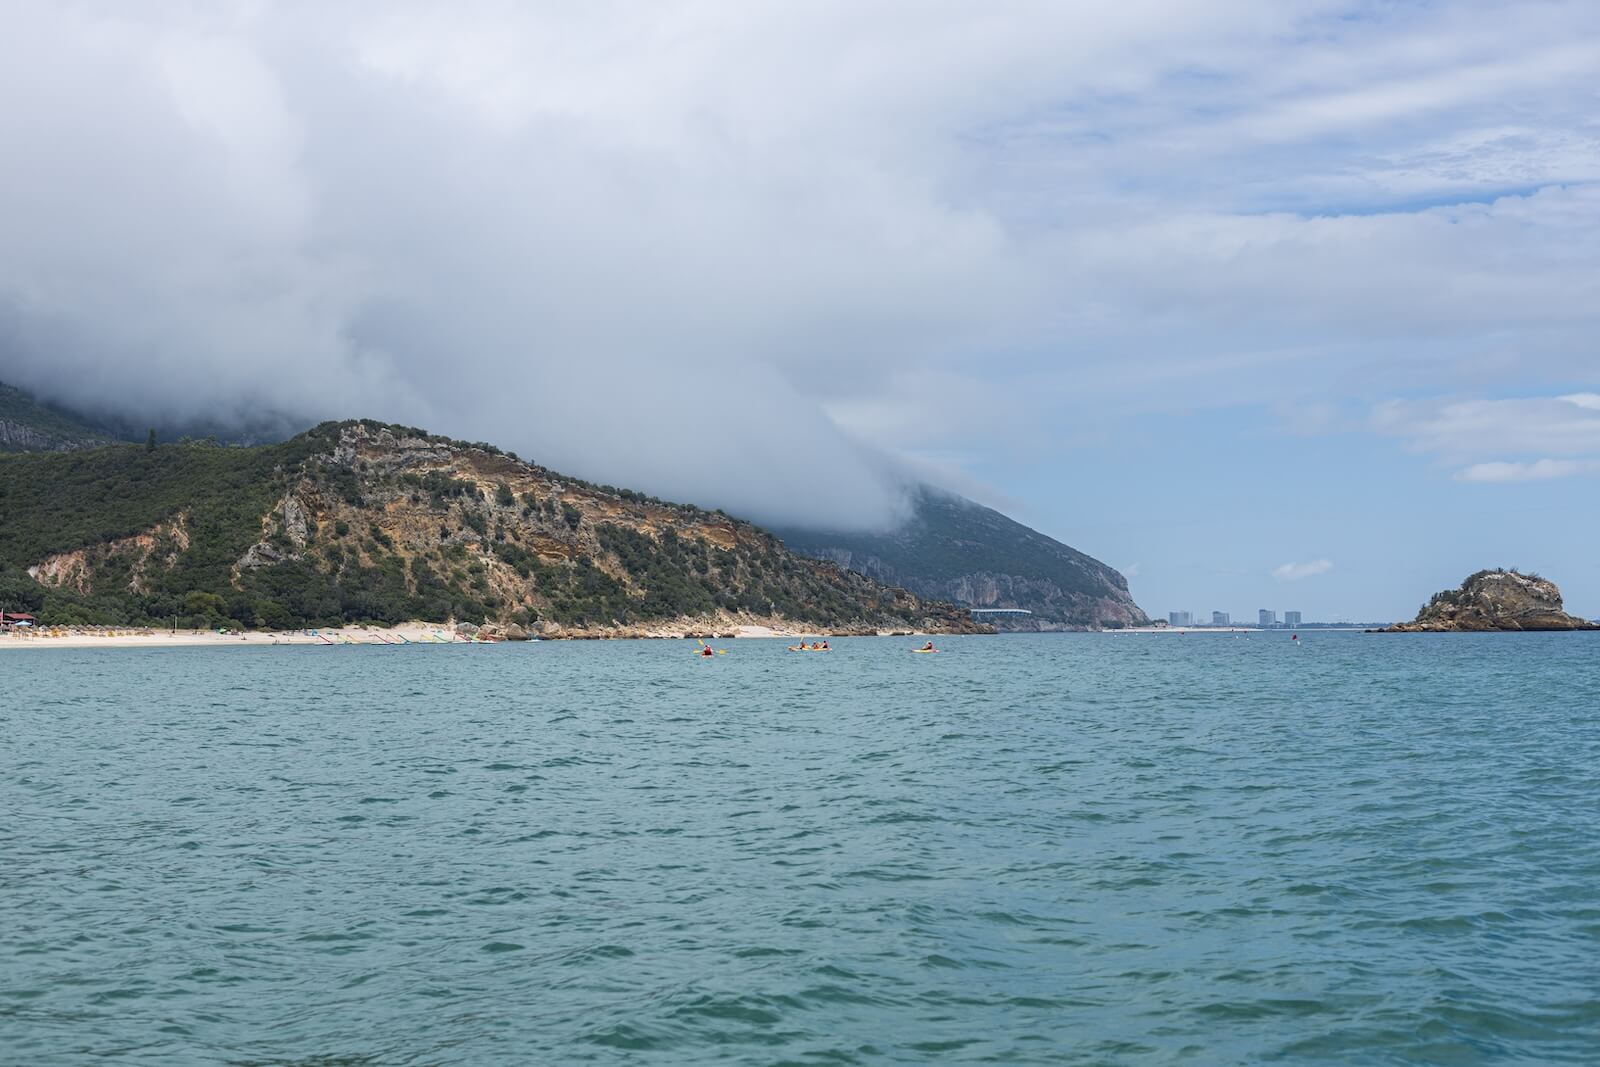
x=1030 y=849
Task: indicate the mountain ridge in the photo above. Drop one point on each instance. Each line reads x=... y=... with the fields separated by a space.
x=951 y=549
x=368 y=521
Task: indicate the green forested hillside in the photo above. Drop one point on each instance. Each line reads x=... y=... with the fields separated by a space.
x=91 y=498
x=362 y=521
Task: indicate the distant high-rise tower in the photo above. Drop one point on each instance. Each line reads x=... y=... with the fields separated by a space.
x=1180 y=618
x=1268 y=618
x=1291 y=618
x=1219 y=618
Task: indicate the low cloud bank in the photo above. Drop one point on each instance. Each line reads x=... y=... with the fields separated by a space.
x=752 y=258
x=1540 y=470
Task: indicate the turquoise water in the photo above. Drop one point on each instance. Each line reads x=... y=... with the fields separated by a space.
x=1105 y=849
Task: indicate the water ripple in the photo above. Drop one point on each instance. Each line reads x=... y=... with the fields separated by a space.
x=1055 y=849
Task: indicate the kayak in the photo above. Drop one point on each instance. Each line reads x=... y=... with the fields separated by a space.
x=920 y=651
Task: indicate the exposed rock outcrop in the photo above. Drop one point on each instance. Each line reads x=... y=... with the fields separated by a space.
x=16 y=437
x=26 y=425
x=262 y=554
x=294 y=521
x=129 y=558
x=1495 y=600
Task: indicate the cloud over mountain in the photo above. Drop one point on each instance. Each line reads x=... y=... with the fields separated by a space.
x=773 y=260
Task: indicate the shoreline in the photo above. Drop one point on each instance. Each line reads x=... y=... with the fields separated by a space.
x=150 y=637
x=415 y=633
x=1235 y=630
x=1185 y=630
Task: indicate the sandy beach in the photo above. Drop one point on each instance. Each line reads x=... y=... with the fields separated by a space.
x=417 y=633
x=142 y=637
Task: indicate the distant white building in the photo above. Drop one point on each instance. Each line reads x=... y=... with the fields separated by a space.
x=1219 y=618
x=1180 y=618
x=1291 y=618
x=1268 y=618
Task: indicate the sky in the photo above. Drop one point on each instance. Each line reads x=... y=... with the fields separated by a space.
x=1267 y=303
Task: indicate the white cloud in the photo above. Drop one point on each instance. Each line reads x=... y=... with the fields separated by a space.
x=1463 y=429
x=1293 y=572
x=737 y=253
x=1536 y=471
x=1554 y=437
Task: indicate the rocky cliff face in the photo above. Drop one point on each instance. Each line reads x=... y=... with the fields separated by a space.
x=953 y=549
x=28 y=426
x=18 y=437
x=1495 y=600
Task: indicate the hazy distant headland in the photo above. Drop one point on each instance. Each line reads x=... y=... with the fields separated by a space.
x=954 y=549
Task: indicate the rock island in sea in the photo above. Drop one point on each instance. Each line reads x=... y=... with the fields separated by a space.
x=1495 y=600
